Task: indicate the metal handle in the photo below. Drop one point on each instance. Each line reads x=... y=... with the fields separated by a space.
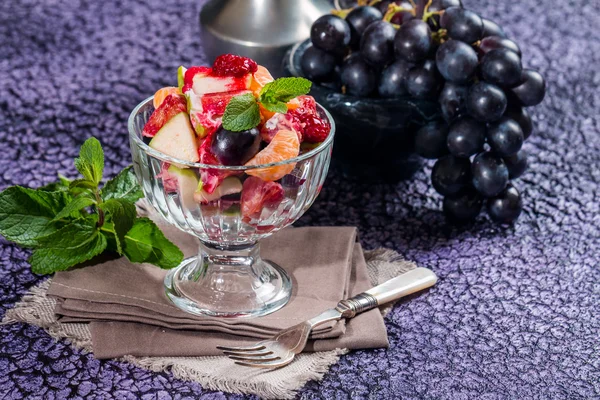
x=400 y=286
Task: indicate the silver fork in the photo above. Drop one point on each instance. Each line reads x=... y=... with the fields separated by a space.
x=283 y=347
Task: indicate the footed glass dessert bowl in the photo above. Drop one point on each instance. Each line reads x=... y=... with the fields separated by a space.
x=228 y=277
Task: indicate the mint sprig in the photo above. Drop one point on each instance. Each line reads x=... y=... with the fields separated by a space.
x=70 y=222
x=243 y=113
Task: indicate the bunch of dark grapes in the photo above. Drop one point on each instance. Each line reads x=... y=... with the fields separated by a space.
x=439 y=51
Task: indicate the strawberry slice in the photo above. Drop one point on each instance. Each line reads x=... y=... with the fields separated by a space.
x=172 y=105
x=256 y=194
x=215 y=103
x=169 y=181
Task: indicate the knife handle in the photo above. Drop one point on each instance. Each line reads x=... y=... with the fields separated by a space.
x=400 y=286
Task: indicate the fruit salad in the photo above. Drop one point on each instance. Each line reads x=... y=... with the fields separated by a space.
x=233 y=114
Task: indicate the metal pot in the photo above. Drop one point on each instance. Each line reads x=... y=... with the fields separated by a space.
x=260 y=29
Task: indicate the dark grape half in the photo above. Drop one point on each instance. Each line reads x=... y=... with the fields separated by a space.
x=486 y=102
x=452 y=100
x=456 y=61
x=450 y=175
x=430 y=141
x=490 y=174
x=392 y=82
x=317 y=65
x=330 y=33
x=235 y=148
x=413 y=41
x=466 y=137
x=358 y=77
x=506 y=207
x=462 y=24
x=532 y=89
x=358 y=19
x=377 y=43
x=501 y=67
x=505 y=137
x=463 y=207
x=516 y=164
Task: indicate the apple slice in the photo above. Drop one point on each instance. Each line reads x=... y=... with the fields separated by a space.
x=180 y=76
x=202 y=81
x=229 y=185
x=187 y=183
x=172 y=105
x=177 y=139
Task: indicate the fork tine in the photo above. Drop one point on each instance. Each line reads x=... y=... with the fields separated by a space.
x=254 y=347
x=266 y=364
x=256 y=353
x=271 y=357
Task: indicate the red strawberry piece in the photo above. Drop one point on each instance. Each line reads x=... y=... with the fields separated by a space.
x=215 y=103
x=170 y=182
x=316 y=129
x=170 y=107
x=188 y=78
x=308 y=105
x=232 y=65
x=256 y=194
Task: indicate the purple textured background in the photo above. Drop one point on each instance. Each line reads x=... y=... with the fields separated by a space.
x=516 y=313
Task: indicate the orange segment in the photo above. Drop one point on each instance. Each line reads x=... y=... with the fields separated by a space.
x=265 y=114
x=284 y=146
x=162 y=94
x=260 y=78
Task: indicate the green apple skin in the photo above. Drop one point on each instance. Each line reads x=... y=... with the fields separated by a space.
x=177 y=139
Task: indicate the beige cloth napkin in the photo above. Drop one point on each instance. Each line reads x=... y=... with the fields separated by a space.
x=130 y=315
x=215 y=373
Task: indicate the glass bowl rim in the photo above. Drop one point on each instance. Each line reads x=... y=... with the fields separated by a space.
x=164 y=157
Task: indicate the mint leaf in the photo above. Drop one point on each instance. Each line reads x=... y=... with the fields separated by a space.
x=278 y=107
x=25 y=214
x=146 y=243
x=62 y=185
x=82 y=184
x=90 y=162
x=242 y=113
x=123 y=186
x=78 y=203
x=122 y=213
x=67 y=247
x=283 y=90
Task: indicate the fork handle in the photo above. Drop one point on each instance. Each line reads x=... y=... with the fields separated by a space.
x=400 y=286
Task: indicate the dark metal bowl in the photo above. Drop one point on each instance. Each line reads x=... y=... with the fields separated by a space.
x=375 y=138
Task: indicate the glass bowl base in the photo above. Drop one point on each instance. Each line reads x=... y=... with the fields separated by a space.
x=227 y=288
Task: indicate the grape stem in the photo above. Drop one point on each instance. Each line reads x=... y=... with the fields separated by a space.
x=427 y=14
x=439 y=36
x=393 y=9
x=341 y=13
